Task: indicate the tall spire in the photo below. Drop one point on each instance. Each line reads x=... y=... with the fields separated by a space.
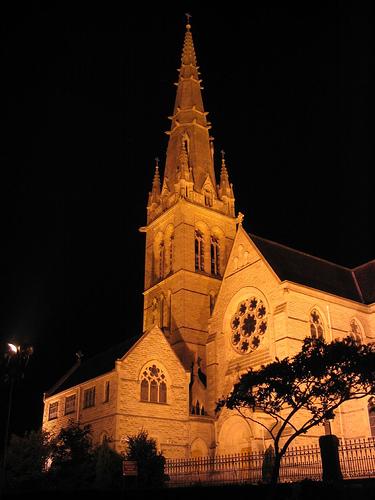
x=189 y=118
x=189 y=169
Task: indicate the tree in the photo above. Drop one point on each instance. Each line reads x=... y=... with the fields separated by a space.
x=72 y=458
x=26 y=460
x=302 y=392
x=143 y=450
x=108 y=468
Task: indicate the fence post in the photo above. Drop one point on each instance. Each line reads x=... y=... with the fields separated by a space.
x=329 y=451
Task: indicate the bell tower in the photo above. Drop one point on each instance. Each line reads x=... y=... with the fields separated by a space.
x=191 y=223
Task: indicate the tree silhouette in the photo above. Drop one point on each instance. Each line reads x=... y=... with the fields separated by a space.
x=143 y=450
x=72 y=458
x=303 y=391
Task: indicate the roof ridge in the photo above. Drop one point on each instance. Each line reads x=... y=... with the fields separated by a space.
x=300 y=252
x=364 y=264
x=129 y=341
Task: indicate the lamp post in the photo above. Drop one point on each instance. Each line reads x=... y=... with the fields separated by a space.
x=16 y=359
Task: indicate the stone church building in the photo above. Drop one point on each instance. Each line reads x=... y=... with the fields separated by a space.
x=217 y=301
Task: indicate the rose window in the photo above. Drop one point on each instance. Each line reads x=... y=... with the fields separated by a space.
x=248 y=325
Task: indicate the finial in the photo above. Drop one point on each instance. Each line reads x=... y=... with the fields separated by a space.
x=240 y=218
x=188 y=16
x=156 y=181
x=222 y=156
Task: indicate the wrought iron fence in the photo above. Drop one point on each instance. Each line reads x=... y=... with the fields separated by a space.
x=357 y=459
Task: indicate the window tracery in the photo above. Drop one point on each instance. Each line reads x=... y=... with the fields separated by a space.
x=248 y=324
x=153 y=385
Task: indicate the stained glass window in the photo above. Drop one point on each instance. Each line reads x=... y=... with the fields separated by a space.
x=153 y=385
x=249 y=324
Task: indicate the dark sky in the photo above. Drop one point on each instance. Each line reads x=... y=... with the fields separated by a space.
x=86 y=92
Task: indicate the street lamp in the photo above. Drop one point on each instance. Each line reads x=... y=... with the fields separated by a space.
x=16 y=359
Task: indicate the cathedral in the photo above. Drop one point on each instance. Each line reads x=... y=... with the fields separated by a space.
x=217 y=301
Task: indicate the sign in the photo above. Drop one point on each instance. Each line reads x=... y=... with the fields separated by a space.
x=129 y=468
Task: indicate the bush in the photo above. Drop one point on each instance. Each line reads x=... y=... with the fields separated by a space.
x=143 y=450
x=108 y=468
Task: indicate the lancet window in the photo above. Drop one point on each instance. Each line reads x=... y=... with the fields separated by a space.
x=161 y=259
x=215 y=256
x=208 y=201
x=199 y=250
x=316 y=325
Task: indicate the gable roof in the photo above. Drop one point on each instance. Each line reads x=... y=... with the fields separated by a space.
x=99 y=364
x=365 y=276
x=305 y=269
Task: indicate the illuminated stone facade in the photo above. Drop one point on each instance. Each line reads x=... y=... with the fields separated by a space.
x=217 y=301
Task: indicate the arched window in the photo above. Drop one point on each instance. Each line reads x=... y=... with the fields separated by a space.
x=371 y=415
x=169 y=249
x=170 y=254
x=158 y=271
x=104 y=438
x=215 y=256
x=316 y=325
x=144 y=390
x=199 y=251
x=355 y=330
x=153 y=385
x=161 y=311
x=161 y=259
x=153 y=391
x=162 y=392
x=208 y=198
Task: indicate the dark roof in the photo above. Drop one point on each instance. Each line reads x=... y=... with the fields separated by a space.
x=99 y=364
x=365 y=275
x=304 y=269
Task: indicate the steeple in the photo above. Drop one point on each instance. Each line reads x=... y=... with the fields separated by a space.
x=191 y=226
x=189 y=120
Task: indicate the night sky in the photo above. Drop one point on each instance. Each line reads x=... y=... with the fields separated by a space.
x=85 y=96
